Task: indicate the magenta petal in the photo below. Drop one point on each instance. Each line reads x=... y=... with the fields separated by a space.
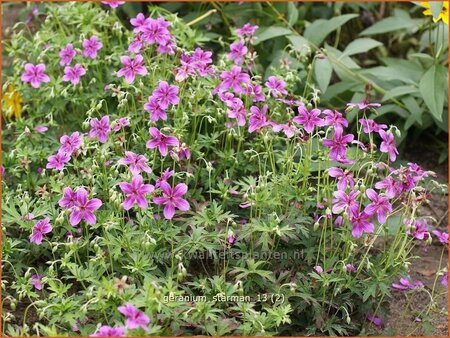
x=141 y=202
x=180 y=190
x=75 y=217
x=160 y=200
x=147 y=188
x=172 y=141
x=169 y=211
x=128 y=203
x=94 y=204
x=36 y=237
x=163 y=149
x=154 y=132
x=90 y=217
x=166 y=188
x=181 y=204
x=126 y=187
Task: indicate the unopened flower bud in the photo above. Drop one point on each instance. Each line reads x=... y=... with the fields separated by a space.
x=316 y=226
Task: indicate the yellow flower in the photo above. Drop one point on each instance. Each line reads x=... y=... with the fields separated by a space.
x=442 y=15
x=13 y=102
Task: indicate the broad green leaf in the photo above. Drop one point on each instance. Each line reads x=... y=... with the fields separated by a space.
x=319 y=29
x=388 y=74
x=389 y=25
x=341 y=64
x=432 y=87
x=339 y=88
x=409 y=68
x=292 y=13
x=267 y=33
x=415 y=112
x=300 y=44
x=322 y=73
x=360 y=46
x=399 y=91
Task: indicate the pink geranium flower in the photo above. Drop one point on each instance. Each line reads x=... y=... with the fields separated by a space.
x=338 y=145
x=276 y=86
x=161 y=141
x=246 y=30
x=136 y=45
x=379 y=205
x=363 y=105
x=234 y=79
x=172 y=198
x=444 y=280
x=156 y=31
x=237 y=51
x=390 y=186
x=69 y=198
x=66 y=55
x=132 y=67
x=153 y=106
x=237 y=111
x=360 y=223
x=419 y=230
x=255 y=91
x=36 y=282
x=108 y=331
x=135 y=192
x=39 y=230
x=58 y=161
x=71 y=143
x=84 y=208
x=167 y=174
x=135 y=317
x=166 y=94
x=40 y=129
x=388 y=145
x=343 y=202
x=334 y=118
x=35 y=74
x=135 y=162
x=113 y=4
x=308 y=119
x=100 y=128
x=91 y=47
x=121 y=123
x=344 y=177
x=406 y=284
x=138 y=22
x=73 y=74
x=350 y=268
x=258 y=118
x=375 y=320
x=370 y=126
x=442 y=236
x=288 y=129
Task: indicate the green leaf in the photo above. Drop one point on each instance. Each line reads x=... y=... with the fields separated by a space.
x=360 y=46
x=389 y=25
x=292 y=13
x=300 y=44
x=322 y=73
x=267 y=33
x=415 y=112
x=432 y=87
x=399 y=91
x=319 y=29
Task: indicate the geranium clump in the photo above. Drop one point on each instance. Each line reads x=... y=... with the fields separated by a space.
x=255 y=166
